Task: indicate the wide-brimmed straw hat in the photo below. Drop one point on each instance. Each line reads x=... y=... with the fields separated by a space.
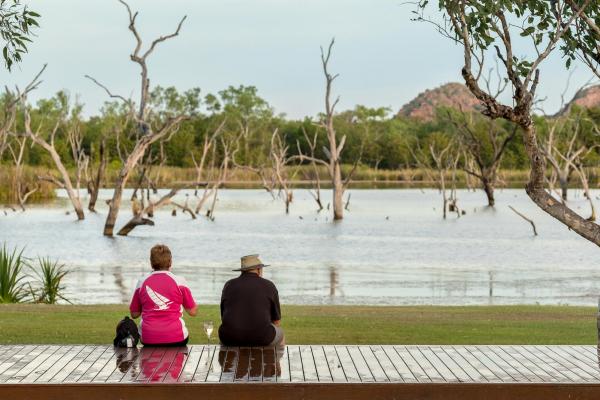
x=250 y=262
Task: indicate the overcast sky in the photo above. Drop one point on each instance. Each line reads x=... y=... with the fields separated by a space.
x=383 y=58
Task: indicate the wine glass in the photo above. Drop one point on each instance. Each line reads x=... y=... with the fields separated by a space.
x=208 y=329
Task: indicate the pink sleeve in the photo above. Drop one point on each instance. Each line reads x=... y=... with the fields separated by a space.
x=136 y=304
x=188 y=299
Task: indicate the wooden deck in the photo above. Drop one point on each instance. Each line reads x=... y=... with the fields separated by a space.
x=298 y=372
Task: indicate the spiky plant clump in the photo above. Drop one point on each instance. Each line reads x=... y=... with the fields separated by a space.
x=49 y=276
x=12 y=285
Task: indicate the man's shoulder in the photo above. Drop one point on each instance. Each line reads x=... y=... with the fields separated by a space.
x=268 y=284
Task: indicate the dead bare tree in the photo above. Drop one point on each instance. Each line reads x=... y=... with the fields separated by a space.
x=95 y=183
x=440 y=155
x=209 y=141
x=333 y=152
x=315 y=191
x=138 y=217
x=281 y=159
x=562 y=159
x=486 y=143
x=145 y=133
x=46 y=141
x=222 y=176
x=22 y=192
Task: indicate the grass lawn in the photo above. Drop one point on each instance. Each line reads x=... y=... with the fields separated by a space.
x=95 y=324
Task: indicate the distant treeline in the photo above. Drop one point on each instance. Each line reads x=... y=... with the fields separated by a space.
x=375 y=137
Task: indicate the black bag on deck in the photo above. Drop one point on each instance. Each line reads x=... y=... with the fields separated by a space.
x=127 y=333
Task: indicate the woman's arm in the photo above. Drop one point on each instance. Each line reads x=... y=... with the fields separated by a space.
x=192 y=311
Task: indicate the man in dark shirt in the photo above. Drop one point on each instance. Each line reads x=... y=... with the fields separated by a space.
x=250 y=312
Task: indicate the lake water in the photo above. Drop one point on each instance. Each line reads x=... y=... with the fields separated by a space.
x=393 y=248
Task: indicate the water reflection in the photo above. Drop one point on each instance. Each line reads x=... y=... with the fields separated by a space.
x=126 y=360
x=250 y=363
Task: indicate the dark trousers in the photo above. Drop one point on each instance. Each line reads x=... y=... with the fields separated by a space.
x=176 y=344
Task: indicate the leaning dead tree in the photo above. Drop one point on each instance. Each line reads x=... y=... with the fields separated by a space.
x=138 y=217
x=481 y=26
x=146 y=132
x=45 y=138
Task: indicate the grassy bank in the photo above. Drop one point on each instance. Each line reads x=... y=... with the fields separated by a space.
x=95 y=324
x=300 y=176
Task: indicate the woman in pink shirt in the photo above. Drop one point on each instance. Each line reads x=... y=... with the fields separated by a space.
x=160 y=299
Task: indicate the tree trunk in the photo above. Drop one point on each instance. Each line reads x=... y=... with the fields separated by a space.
x=563 y=181
x=488 y=187
x=338 y=192
x=98 y=180
x=535 y=189
x=66 y=181
x=115 y=204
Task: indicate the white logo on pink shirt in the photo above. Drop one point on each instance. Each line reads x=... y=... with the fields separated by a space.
x=160 y=301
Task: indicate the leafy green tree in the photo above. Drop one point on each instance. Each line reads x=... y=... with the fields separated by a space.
x=487 y=28
x=16 y=24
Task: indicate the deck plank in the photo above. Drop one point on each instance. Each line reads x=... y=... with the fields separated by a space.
x=309 y=366
x=400 y=365
x=425 y=365
x=296 y=368
x=230 y=360
x=283 y=373
x=567 y=362
x=95 y=368
x=361 y=366
x=458 y=360
x=487 y=372
x=446 y=373
x=322 y=366
x=549 y=368
x=498 y=365
x=256 y=365
x=138 y=364
x=386 y=364
x=373 y=364
x=60 y=364
x=243 y=365
x=204 y=364
x=191 y=364
x=459 y=373
x=62 y=352
x=584 y=358
x=124 y=360
x=581 y=362
x=269 y=367
x=164 y=365
x=64 y=372
x=413 y=366
x=352 y=374
x=9 y=353
x=17 y=360
x=27 y=370
x=334 y=364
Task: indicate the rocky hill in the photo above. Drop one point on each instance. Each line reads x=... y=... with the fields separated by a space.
x=588 y=97
x=452 y=94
